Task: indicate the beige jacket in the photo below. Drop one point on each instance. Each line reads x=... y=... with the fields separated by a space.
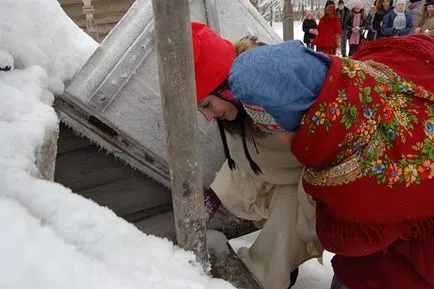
x=288 y=237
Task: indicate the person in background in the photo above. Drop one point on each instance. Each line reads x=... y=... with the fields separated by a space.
x=382 y=7
x=398 y=21
x=356 y=26
x=364 y=128
x=260 y=179
x=370 y=23
x=414 y=9
x=310 y=29
x=329 y=30
x=426 y=22
x=343 y=13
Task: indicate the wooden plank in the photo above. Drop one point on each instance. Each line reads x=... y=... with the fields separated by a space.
x=121 y=73
x=68 y=141
x=212 y=13
x=225 y=263
x=88 y=168
x=74 y=2
x=108 y=18
x=130 y=195
x=122 y=148
x=100 y=8
x=46 y=156
x=177 y=87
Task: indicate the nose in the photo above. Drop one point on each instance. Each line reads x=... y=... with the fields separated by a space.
x=209 y=115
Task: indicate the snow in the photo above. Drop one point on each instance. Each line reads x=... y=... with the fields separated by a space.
x=312 y=274
x=298 y=32
x=52 y=40
x=51 y=237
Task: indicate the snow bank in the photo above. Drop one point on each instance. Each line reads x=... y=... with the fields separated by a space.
x=50 y=237
x=39 y=33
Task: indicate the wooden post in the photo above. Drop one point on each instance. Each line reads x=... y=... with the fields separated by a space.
x=288 y=20
x=177 y=87
x=91 y=28
x=46 y=156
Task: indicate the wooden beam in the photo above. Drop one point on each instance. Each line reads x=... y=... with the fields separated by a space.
x=46 y=156
x=178 y=90
x=100 y=8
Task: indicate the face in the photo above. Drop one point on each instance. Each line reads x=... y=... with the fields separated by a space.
x=400 y=7
x=357 y=10
x=214 y=107
x=430 y=8
x=386 y=3
x=341 y=6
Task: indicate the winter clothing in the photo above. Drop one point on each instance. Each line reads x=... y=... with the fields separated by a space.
x=212 y=203
x=343 y=15
x=211 y=68
x=337 y=284
x=308 y=26
x=428 y=26
x=401 y=27
x=298 y=74
x=329 y=31
x=329 y=3
x=356 y=25
x=377 y=20
x=273 y=197
x=288 y=236
x=387 y=240
x=367 y=144
x=426 y=23
x=414 y=8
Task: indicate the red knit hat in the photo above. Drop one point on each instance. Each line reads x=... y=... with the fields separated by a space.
x=213 y=57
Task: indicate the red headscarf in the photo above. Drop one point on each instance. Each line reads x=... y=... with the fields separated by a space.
x=213 y=57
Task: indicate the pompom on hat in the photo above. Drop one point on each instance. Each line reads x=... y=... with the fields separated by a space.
x=213 y=58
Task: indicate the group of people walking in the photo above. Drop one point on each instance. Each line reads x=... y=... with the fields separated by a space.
x=388 y=18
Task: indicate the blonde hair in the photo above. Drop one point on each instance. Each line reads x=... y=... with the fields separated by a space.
x=423 y=16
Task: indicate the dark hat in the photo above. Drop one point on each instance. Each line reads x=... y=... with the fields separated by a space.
x=429 y=2
x=329 y=2
x=341 y=2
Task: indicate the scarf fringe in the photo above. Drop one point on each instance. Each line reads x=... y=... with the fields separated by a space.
x=416 y=229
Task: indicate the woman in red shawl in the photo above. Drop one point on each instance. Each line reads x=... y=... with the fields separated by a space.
x=329 y=30
x=365 y=132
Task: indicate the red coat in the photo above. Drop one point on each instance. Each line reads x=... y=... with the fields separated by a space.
x=368 y=142
x=329 y=28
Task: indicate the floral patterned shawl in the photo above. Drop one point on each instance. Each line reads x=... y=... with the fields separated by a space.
x=368 y=142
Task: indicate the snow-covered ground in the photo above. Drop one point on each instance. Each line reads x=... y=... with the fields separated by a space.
x=298 y=32
x=50 y=237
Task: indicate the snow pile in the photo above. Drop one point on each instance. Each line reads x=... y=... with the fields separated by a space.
x=50 y=237
x=40 y=33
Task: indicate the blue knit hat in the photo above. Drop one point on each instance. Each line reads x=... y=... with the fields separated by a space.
x=278 y=83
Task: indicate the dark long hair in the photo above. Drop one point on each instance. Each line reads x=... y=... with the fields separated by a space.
x=242 y=125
